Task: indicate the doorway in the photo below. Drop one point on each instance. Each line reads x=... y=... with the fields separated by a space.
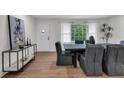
x=43 y=37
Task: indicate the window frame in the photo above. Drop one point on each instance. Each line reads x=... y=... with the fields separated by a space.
x=88 y=33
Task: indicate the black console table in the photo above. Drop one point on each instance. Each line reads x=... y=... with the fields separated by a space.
x=15 y=60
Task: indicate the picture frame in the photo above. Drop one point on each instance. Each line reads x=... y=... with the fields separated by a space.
x=16 y=32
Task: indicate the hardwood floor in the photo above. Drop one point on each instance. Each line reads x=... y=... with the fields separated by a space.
x=44 y=66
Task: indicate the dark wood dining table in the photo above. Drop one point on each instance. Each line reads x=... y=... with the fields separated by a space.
x=74 y=48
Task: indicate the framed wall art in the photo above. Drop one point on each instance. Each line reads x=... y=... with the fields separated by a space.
x=16 y=32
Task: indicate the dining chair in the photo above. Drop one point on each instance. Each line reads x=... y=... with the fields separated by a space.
x=79 y=41
x=91 y=63
x=114 y=59
x=87 y=41
x=63 y=58
x=80 y=51
x=91 y=40
x=122 y=42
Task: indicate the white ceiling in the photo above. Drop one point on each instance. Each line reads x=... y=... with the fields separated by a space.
x=71 y=16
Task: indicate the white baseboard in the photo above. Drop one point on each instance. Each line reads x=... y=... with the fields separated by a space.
x=2 y=74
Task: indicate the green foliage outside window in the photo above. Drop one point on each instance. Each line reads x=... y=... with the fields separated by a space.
x=78 y=32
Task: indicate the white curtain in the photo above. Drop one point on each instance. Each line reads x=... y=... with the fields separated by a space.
x=66 y=32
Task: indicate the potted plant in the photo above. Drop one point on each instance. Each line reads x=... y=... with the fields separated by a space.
x=107 y=30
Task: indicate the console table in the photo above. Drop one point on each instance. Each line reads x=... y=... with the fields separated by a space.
x=16 y=59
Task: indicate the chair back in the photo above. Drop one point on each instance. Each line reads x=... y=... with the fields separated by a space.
x=87 y=41
x=114 y=60
x=91 y=40
x=94 y=53
x=79 y=41
x=93 y=61
x=122 y=42
x=58 y=48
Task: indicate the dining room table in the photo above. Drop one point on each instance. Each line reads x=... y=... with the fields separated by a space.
x=74 y=48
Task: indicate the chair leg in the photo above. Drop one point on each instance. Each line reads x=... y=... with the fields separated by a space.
x=74 y=61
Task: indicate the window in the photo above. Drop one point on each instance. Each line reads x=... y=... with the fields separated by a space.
x=78 y=32
x=66 y=32
x=92 y=30
x=71 y=32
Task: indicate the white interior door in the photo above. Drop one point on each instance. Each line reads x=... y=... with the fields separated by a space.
x=43 y=37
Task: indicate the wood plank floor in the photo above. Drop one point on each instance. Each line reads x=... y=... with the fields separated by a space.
x=44 y=66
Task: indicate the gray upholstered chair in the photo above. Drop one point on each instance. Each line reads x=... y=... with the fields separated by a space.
x=87 y=41
x=91 y=40
x=91 y=64
x=63 y=58
x=79 y=41
x=114 y=59
x=122 y=42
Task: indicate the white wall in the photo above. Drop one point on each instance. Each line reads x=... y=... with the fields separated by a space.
x=117 y=22
x=4 y=33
